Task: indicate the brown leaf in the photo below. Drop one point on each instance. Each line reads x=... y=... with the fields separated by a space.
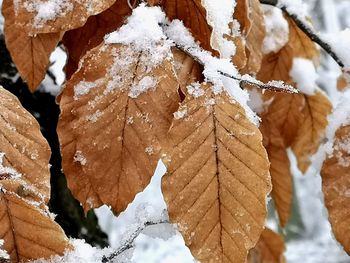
x=192 y=14
x=109 y=129
x=312 y=129
x=281 y=177
x=187 y=69
x=217 y=178
x=342 y=82
x=286 y=114
x=79 y=41
x=23 y=146
x=64 y=16
x=240 y=57
x=30 y=54
x=336 y=186
x=269 y=249
x=25 y=223
x=255 y=38
x=302 y=45
x=28 y=231
x=276 y=66
x=242 y=15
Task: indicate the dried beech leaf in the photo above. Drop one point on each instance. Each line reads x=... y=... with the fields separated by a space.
x=302 y=45
x=30 y=54
x=30 y=15
x=281 y=177
x=242 y=15
x=269 y=249
x=28 y=231
x=23 y=146
x=194 y=16
x=312 y=129
x=286 y=114
x=217 y=179
x=115 y=110
x=240 y=57
x=276 y=66
x=79 y=41
x=255 y=38
x=187 y=69
x=336 y=186
x=342 y=82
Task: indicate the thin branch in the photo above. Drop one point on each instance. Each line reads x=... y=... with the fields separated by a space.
x=129 y=242
x=307 y=30
x=277 y=86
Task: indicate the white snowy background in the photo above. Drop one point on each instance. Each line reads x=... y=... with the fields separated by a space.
x=309 y=238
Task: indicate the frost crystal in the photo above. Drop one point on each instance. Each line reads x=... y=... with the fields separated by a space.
x=181 y=113
x=7 y=172
x=3 y=253
x=142 y=86
x=84 y=87
x=79 y=157
x=48 y=10
x=195 y=90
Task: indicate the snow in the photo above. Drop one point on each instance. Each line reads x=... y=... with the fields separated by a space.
x=1 y=20
x=295 y=7
x=277 y=29
x=81 y=253
x=57 y=62
x=181 y=113
x=145 y=84
x=340 y=44
x=155 y=243
x=8 y=172
x=79 y=157
x=142 y=29
x=339 y=117
x=84 y=87
x=220 y=17
x=303 y=72
x=315 y=242
x=47 y=10
x=213 y=67
x=195 y=90
x=3 y=253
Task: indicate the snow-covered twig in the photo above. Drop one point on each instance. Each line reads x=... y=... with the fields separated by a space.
x=129 y=243
x=307 y=30
x=277 y=86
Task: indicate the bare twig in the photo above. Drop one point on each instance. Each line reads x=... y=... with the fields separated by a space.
x=307 y=30
x=129 y=242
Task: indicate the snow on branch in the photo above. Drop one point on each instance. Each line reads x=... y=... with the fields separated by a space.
x=305 y=28
x=129 y=243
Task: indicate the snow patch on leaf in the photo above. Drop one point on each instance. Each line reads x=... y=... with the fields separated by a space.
x=3 y=253
x=304 y=74
x=145 y=84
x=7 y=172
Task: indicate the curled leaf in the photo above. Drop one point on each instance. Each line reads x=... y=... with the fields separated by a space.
x=336 y=186
x=192 y=14
x=269 y=249
x=312 y=129
x=78 y=41
x=217 y=179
